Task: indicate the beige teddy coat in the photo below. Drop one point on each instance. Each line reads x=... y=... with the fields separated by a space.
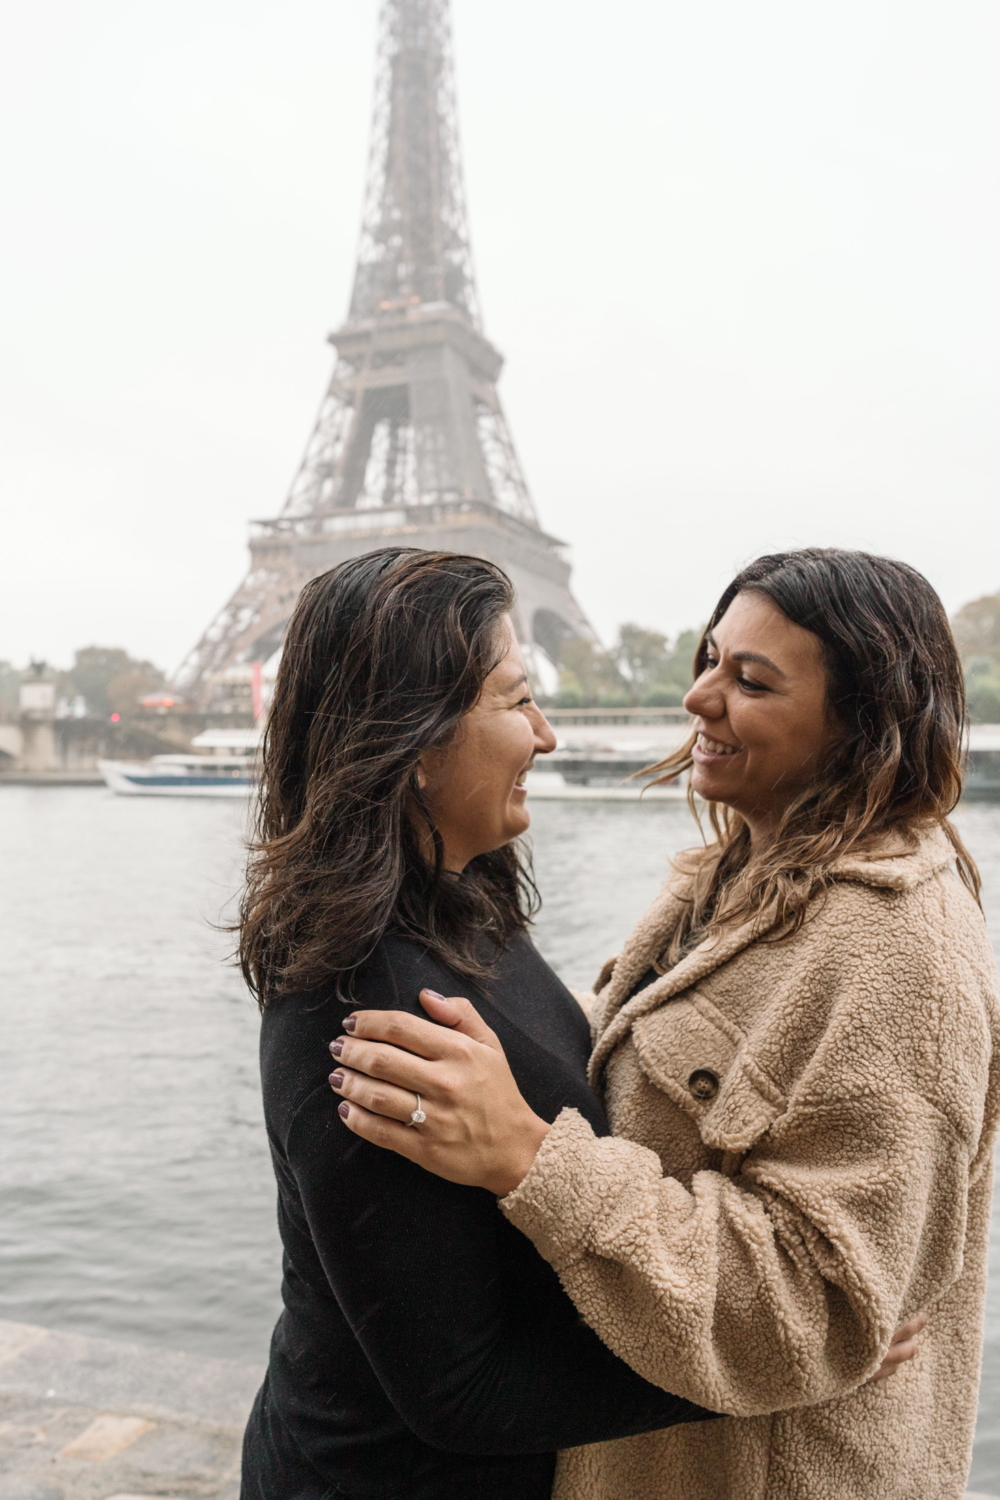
x=801 y=1162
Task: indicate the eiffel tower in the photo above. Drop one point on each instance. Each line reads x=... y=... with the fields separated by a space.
x=410 y=446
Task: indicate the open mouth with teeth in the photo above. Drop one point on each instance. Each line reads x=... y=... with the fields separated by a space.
x=520 y=781
x=712 y=747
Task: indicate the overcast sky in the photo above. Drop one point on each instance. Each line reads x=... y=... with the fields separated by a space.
x=742 y=261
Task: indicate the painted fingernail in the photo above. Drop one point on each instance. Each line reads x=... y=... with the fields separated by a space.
x=343 y=1110
x=434 y=994
x=337 y=1047
x=350 y=1023
x=337 y=1081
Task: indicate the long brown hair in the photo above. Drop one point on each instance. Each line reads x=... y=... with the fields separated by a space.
x=383 y=656
x=895 y=685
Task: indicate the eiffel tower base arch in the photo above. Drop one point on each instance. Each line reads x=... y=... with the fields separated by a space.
x=283 y=560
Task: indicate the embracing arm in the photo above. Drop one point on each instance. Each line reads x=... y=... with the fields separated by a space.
x=777 y=1288
x=415 y=1265
x=468 y=1332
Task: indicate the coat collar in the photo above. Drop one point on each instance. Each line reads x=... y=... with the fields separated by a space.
x=645 y=944
x=897 y=863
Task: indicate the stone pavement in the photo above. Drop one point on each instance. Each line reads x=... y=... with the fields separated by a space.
x=89 y=1419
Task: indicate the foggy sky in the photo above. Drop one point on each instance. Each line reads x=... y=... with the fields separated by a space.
x=742 y=261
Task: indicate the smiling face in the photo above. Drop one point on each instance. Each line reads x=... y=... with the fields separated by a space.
x=760 y=712
x=474 y=785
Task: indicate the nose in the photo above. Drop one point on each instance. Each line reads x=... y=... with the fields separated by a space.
x=706 y=700
x=545 y=737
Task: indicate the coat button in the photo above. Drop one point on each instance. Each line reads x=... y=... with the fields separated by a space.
x=703 y=1084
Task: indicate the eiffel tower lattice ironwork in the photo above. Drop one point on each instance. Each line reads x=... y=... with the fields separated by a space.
x=411 y=445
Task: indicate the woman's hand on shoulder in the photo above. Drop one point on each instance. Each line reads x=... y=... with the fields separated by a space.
x=477 y=1129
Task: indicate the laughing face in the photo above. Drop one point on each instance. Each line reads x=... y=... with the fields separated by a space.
x=760 y=712
x=475 y=785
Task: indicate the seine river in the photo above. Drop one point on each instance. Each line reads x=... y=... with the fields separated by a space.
x=138 y=1201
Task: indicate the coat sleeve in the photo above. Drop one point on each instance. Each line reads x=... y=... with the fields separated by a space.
x=778 y=1287
x=423 y=1272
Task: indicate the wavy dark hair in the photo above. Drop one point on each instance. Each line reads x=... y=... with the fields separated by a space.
x=895 y=687
x=383 y=656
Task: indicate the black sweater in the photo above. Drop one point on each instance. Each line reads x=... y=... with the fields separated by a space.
x=425 y=1347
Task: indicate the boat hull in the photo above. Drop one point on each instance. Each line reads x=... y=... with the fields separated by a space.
x=130 y=779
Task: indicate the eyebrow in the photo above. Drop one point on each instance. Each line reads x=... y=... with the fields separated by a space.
x=754 y=656
x=512 y=686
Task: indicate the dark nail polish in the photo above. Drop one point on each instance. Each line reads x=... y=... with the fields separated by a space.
x=343 y=1110
x=350 y=1023
x=434 y=995
x=337 y=1081
x=337 y=1047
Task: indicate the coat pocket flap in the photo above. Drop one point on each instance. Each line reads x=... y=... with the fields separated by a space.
x=705 y=1070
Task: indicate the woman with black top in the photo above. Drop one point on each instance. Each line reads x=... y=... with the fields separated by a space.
x=425 y=1349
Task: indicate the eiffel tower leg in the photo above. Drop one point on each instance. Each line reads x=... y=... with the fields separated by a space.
x=250 y=628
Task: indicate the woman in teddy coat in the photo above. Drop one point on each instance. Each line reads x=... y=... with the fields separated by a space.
x=797 y=1051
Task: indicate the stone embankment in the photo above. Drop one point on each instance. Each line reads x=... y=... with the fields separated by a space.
x=90 y=1419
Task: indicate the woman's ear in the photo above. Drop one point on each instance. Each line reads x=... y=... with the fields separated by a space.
x=434 y=765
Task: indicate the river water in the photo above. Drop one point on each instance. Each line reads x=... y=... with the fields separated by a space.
x=138 y=1201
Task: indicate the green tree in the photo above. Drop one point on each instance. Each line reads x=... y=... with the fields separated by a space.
x=110 y=680
x=977 y=635
x=977 y=628
x=641 y=668
x=642 y=657
x=123 y=692
x=982 y=687
x=679 y=674
x=588 y=675
x=660 y=674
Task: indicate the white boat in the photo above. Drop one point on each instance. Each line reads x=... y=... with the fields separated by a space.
x=220 y=763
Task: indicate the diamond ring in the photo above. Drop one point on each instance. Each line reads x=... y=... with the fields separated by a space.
x=417 y=1117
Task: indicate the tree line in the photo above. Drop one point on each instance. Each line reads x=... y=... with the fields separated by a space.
x=644 y=669
x=640 y=669
x=103 y=680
